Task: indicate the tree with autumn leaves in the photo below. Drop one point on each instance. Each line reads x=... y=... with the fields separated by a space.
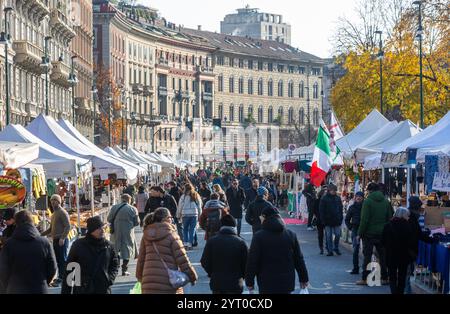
x=358 y=91
x=109 y=98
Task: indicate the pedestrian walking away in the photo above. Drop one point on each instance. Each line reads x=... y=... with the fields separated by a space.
x=160 y=242
x=211 y=215
x=225 y=258
x=141 y=202
x=256 y=208
x=352 y=221
x=316 y=212
x=124 y=219
x=236 y=198
x=189 y=209
x=99 y=263
x=27 y=260
x=310 y=194
x=274 y=257
x=331 y=216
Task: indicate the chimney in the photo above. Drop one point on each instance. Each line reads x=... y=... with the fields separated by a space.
x=199 y=27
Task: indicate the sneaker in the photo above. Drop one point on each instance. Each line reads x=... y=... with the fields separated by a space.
x=321 y=252
x=354 y=272
x=125 y=273
x=361 y=283
x=330 y=254
x=338 y=252
x=310 y=229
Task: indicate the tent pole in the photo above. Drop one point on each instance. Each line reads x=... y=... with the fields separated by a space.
x=408 y=185
x=92 y=195
x=77 y=200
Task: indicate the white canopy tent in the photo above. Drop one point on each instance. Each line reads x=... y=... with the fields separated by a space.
x=143 y=157
x=48 y=130
x=370 y=125
x=159 y=160
x=111 y=151
x=70 y=129
x=55 y=163
x=124 y=155
x=14 y=155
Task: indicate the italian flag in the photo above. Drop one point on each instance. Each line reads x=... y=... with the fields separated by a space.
x=322 y=159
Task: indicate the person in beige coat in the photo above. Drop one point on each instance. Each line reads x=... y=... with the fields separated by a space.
x=150 y=270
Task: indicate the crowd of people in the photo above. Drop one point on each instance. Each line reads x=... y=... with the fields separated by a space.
x=170 y=216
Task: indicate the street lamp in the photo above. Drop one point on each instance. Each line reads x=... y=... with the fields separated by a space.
x=124 y=117
x=419 y=34
x=73 y=80
x=308 y=105
x=5 y=39
x=380 y=57
x=94 y=92
x=109 y=100
x=322 y=96
x=133 y=121
x=45 y=64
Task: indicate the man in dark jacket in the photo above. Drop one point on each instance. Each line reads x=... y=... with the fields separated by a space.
x=204 y=192
x=245 y=182
x=225 y=258
x=174 y=190
x=274 y=257
x=331 y=216
x=316 y=212
x=98 y=262
x=27 y=261
x=8 y=217
x=250 y=194
x=256 y=208
x=375 y=214
x=310 y=195
x=352 y=220
x=236 y=198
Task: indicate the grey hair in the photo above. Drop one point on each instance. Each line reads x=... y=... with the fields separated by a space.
x=402 y=212
x=126 y=198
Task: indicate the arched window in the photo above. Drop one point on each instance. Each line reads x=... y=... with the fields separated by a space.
x=280 y=114
x=316 y=91
x=220 y=111
x=301 y=116
x=220 y=83
x=270 y=115
x=260 y=87
x=241 y=113
x=250 y=111
x=260 y=114
x=280 y=88
x=241 y=85
x=291 y=89
x=291 y=115
x=301 y=90
x=250 y=86
x=231 y=113
x=270 y=88
x=316 y=117
x=231 y=85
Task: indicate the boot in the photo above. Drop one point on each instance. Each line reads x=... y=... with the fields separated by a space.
x=125 y=268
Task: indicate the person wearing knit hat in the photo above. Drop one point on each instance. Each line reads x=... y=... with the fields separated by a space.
x=255 y=209
x=98 y=260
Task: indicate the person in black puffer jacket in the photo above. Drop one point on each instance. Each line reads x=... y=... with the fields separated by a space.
x=274 y=257
x=316 y=212
x=352 y=220
x=225 y=258
x=310 y=194
x=27 y=261
x=99 y=263
x=256 y=208
x=331 y=215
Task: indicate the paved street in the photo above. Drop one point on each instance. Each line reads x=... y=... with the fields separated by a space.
x=328 y=275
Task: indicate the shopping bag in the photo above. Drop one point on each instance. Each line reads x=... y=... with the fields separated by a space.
x=304 y=291
x=136 y=289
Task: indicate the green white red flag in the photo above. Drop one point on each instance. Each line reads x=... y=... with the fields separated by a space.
x=322 y=159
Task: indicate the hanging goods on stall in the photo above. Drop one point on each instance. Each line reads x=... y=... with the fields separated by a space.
x=290 y=166
x=12 y=191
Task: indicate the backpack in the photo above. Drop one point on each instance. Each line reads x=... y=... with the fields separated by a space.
x=213 y=222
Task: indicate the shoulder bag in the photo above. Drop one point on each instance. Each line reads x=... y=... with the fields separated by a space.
x=177 y=278
x=111 y=227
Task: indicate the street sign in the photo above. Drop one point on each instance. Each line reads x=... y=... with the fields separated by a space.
x=292 y=147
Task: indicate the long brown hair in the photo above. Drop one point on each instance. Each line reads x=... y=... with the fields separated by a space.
x=190 y=191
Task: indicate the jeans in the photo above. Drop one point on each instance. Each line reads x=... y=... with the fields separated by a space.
x=239 y=225
x=356 y=246
x=310 y=217
x=141 y=218
x=61 y=256
x=368 y=244
x=320 y=231
x=409 y=273
x=179 y=227
x=397 y=278
x=189 y=224
x=329 y=231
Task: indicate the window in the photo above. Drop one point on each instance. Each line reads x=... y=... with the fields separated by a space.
x=270 y=67
x=316 y=117
x=260 y=87
x=291 y=89
x=301 y=116
x=291 y=115
x=231 y=113
x=250 y=111
x=231 y=62
x=315 y=71
x=301 y=90
x=280 y=68
x=316 y=91
x=291 y=69
x=280 y=88
x=260 y=65
x=220 y=113
x=260 y=114
x=250 y=64
x=270 y=115
x=173 y=84
x=220 y=60
x=241 y=63
x=250 y=86
x=241 y=85
x=220 y=83
x=270 y=88
x=280 y=114
x=301 y=70
x=241 y=113
x=231 y=85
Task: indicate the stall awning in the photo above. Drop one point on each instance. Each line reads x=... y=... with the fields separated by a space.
x=14 y=155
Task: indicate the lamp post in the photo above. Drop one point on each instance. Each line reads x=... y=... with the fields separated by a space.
x=308 y=103
x=133 y=121
x=419 y=37
x=73 y=80
x=110 y=100
x=94 y=96
x=124 y=117
x=5 y=39
x=322 y=96
x=46 y=66
x=380 y=57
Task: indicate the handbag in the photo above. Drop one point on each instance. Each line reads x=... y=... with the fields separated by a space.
x=177 y=278
x=111 y=226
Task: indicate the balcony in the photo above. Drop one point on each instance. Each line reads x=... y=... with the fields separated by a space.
x=60 y=73
x=185 y=94
x=207 y=96
x=205 y=70
x=39 y=7
x=28 y=56
x=60 y=23
x=148 y=90
x=82 y=105
x=162 y=91
x=138 y=88
x=30 y=109
x=162 y=61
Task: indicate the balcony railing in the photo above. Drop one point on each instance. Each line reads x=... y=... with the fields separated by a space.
x=138 y=88
x=207 y=96
x=162 y=90
x=28 y=56
x=39 y=7
x=148 y=90
x=162 y=61
x=60 y=23
x=203 y=69
x=60 y=73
